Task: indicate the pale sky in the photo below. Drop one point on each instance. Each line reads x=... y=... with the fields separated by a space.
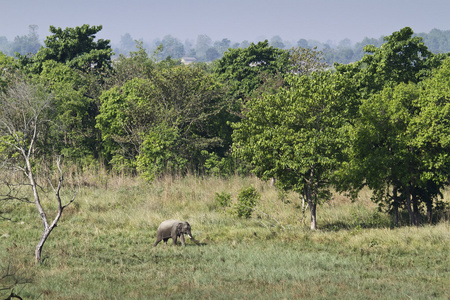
x=237 y=20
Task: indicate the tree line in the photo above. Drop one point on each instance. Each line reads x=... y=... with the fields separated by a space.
x=205 y=49
x=380 y=122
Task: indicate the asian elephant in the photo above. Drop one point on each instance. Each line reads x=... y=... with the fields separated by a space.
x=173 y=229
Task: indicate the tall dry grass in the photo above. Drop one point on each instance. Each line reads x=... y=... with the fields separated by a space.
x=102 y=247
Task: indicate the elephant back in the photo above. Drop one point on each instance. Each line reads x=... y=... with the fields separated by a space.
x=168 y=224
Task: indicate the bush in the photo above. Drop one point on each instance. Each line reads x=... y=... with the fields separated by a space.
x=246 y=202
x=223 y=199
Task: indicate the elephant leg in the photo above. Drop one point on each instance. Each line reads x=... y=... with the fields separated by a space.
x=158 y=239
x=182 y=240
x=174 y=238
x=165 y=242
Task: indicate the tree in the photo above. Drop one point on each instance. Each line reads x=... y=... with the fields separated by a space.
x=202 y=44
x=7 y=69
x=212 y=54
x=401 y=59
x=222 y=46
x=10 y=279
x=74 y=110
x=302 y=43
x=127 y=44
x=304 y=61
x=161 y=123
x=74 y=66
x=298 y=135
x=23 y=121
x=384 y=156
x=172 y=47
x=431 y=131
x=277 y=42
x=242 y=68
x=27 y=44
x=401 y=145
x=72 y=46
x=137 y=65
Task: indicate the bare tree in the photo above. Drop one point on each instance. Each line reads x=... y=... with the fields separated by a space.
x=25 y=108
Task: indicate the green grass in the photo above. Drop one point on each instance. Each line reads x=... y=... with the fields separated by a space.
x=102 y=248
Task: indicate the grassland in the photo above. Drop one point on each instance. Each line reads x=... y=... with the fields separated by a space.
x=102 y=248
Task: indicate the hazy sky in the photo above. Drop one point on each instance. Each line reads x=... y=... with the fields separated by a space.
x=236 y=20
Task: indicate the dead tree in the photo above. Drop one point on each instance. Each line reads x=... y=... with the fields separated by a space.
x=23 y=120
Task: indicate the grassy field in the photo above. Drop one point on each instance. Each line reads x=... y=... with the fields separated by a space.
x=102 y=248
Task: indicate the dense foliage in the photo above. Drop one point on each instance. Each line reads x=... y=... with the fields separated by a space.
x=380 y=121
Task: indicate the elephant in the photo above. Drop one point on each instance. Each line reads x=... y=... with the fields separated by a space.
x=173 y=229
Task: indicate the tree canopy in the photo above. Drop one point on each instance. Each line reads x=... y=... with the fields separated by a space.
x=379 y=122
x=73 y=46
x=297 y=135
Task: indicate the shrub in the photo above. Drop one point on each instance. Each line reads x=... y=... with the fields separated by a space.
x=246 y=202
x=223 y=199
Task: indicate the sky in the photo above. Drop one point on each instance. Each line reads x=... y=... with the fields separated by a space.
x=237 y=20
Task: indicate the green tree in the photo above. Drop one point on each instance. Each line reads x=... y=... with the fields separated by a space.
x=181 y=106
x=298 y=135
x=74 y=110
x=72 y=46
x=241 y=68
x=401 y=145
x=401 y=59
x=74 y=66
x=383 y=153
x=431 y=131
x=7 y=68
x=382 y=157
x=125 y=113
x=138 y=64
x=160 y=152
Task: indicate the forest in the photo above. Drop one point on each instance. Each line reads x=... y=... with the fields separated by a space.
x=377 y=121
x=205 y=49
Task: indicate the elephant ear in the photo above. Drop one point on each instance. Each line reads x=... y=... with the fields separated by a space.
x=179 y=227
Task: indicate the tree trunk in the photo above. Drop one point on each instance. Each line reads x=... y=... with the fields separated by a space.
x=311 y=204
x=395 y=205
x=408 y=207
x=40 y=245
x=395 y=216
x=312 y=207
x=415 y=203
x=430 y=211
x=47 y=228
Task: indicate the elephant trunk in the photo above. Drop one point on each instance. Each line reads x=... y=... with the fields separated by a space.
x=192 y=238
